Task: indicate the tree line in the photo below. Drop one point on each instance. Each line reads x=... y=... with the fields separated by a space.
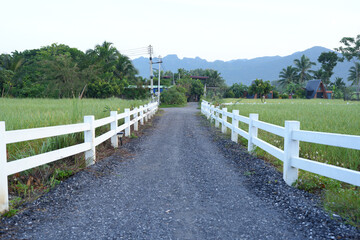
x=293 y=78
x=59 y=71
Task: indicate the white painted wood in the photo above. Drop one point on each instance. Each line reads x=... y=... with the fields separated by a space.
x=242 y=133
x=277 y=130
x=276 y=152
x=141 y=115
x=242 y=119
x=4 y=194
x=227 y=114
x=121 y=128
x=105 y=136
x=253 y=131
x=121 y=115
x=113 y=126
x=212 y=113
x=127 y=121
x=145 y=112
x=331 y=139
x=89 y=137
x=228 y=125
x=223 y=120
x=103 y=121
x=291 y=150
x=338 y=173
x=44 y=158
x=37 y=133
x=292 y=135
x=235 y=124
x=135 y=116
x=217 y=116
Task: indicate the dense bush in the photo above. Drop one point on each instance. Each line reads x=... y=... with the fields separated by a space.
x=136 y=93
x=284 y=96
x=275 y=94
x=173 y=96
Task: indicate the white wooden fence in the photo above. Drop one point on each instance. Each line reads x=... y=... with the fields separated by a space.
x=292 y=136
x=142 y=113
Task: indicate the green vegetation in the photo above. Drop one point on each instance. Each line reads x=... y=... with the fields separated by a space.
x=34 y=113
x=260 y=88
x=173 y=96
x=59 y=71
x=334 y=116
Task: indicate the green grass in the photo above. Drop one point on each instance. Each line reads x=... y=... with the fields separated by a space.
x=333 y=116
x=34 y=113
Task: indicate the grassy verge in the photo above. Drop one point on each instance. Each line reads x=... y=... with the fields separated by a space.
x=33 y=113
x=334 y=116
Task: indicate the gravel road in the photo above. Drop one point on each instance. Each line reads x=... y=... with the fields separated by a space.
x=180 y=180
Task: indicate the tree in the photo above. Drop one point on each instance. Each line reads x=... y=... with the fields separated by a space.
x=351 y=51
x=354 y=74
x=303 y=65
x=328 y=61
x=288 y=75
x=236 y=90
x=260 y=88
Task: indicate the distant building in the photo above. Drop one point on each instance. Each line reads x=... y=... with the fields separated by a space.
x=316 y=89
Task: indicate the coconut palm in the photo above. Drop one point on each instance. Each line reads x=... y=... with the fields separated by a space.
x=303 y=65
x=125 y=68
x=354 y=75
x=288 y=75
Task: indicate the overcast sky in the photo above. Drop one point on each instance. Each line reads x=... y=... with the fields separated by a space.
x=210 y=29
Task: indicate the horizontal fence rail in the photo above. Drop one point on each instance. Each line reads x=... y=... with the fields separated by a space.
x=131 y=117
x=292 y=136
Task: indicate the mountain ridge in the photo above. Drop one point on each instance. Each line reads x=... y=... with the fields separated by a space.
x=244 y=70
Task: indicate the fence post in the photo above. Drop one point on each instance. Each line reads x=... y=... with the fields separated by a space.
x=127 y=122
x=211 y=113
x=4 y=194
x=253 y=131
x=224 y=119
x=142 y=115
x=150 y=111
x=135 y=116
x=217 y=114
x=113 y=126
x=235 y=124
x=291 y=149
x=89 y=136
x=146 y=112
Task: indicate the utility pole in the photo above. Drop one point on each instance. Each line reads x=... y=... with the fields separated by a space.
x=150 y=51
x=160 y=61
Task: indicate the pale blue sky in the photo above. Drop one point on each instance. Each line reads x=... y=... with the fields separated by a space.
x=210 y=29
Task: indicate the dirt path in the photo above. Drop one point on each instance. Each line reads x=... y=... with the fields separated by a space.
x=176 y=183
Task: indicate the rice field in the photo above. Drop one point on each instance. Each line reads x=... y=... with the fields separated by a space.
x=34 y=113
x=333 y=116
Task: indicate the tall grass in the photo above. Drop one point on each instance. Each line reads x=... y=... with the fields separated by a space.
x=34 y=113
x=333 y=116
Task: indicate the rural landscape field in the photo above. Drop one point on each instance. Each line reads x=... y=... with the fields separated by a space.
x=332 y=116
x=168 y=165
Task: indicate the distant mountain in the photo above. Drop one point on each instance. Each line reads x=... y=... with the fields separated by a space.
x=243 y=70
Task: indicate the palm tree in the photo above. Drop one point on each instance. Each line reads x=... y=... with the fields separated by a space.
x=354 y=77
x=288 y=75
x=125 y=68
x=104 y=54
x=303 y=65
